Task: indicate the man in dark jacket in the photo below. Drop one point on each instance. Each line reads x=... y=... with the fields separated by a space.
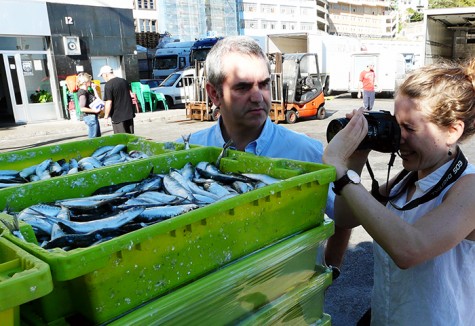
x=118 y=102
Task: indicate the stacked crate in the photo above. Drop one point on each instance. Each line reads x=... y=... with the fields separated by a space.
x=254 y=252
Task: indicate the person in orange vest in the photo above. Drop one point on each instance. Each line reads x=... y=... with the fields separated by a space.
x=367 y=84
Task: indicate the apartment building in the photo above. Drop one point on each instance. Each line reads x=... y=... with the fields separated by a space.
x=262 y=17
x=362 y=18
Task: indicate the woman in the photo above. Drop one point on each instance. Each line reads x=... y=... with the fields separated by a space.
x=85 y=97
x=424 y=234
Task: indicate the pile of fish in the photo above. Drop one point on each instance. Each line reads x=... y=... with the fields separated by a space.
x=115 y=210
x=103 y=156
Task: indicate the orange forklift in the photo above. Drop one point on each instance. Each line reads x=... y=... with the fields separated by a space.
x=297 y=91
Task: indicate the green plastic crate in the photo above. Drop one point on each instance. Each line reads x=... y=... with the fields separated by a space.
x=239 y=288
x=301 y=306
x=23 y=278
x=20 y=159
x=111 y=278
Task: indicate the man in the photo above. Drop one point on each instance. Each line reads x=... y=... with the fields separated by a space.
x=367 y=83
x=239 y=84
x=118 y=103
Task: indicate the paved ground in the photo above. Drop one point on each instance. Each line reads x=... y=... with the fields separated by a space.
x=348 y=298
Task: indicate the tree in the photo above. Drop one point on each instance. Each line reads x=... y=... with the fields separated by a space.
x=450 y=3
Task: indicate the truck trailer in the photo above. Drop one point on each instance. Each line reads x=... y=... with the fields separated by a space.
x=389 y=67
x=333 y=54
x=449 y=34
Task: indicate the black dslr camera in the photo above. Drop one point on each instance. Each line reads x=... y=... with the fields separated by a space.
x=383 y=135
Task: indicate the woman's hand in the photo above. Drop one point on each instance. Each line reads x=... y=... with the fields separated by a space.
x=340 y=152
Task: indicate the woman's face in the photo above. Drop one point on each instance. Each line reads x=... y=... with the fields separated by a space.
x=423 y=144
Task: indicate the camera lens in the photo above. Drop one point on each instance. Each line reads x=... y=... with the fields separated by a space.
x=335 y=126
x=383 y=134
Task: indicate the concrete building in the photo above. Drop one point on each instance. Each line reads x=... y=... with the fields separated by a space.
x=40 y=46
x=363 y=18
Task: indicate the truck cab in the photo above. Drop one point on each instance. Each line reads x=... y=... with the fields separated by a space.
x=201 y=48
x=170 y=58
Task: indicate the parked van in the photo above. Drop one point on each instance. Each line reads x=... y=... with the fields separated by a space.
x=170 y=58
x=177 y=87
x=390 y=69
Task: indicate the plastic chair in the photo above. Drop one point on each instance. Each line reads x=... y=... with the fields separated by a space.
x=136 y=88
x=159 y=97
x=147 y=96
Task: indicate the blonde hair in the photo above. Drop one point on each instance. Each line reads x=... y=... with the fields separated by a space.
x=83 y=78
x=448 y=87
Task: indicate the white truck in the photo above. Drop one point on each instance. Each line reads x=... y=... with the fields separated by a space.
x=171 y=57
x=389 y=67
x=333 y=55
x=449 y=34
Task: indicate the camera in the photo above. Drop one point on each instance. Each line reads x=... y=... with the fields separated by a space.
x=383 y=136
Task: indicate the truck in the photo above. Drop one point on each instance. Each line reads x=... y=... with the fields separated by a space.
x=171 y=57
x=390 y=69
x=201 y=48
x=333 y=55
x=449 y=34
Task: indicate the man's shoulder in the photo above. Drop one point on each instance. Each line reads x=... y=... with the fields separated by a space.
x=282 y=131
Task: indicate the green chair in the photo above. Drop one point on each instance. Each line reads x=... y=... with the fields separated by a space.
x=147 y=96
x=136 y=88
x=159 y=97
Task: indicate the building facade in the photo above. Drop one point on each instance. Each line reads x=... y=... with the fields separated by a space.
x=363 y=18
x=40 y=46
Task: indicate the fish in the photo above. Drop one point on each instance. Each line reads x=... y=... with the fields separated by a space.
x=114 y=221
x=4 y=173
x=173 y=187
x=41 y=168
x=224 y=152
x=267 y=179
x=81 y=240
x=186 y=141
x=210 y=171
x=164 y=212
x=26 y=172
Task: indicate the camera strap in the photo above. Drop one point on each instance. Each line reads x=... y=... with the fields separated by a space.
x=455 y=170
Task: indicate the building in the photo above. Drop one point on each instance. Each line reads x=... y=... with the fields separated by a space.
x=40 y=46
x=186 y=20
x=363 y=18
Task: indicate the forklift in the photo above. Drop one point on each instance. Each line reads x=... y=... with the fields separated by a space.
x=297 y=91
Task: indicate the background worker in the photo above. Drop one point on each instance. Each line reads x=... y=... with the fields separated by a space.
x=85 y=98
x=367 y=84
x=239 y=80
x=118 y=102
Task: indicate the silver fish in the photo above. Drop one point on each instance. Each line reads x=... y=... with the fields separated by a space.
x=26 y=172
x=163 y=212
x=173 y=187
x=186 y=141
x=8 y=173
x=102 y=150
x=111 y=222
x=267 y=179
x=41 y=168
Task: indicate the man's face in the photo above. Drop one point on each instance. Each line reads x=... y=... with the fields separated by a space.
x=245 y=100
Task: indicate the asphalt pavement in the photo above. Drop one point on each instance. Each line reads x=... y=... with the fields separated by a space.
x=348 y=297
